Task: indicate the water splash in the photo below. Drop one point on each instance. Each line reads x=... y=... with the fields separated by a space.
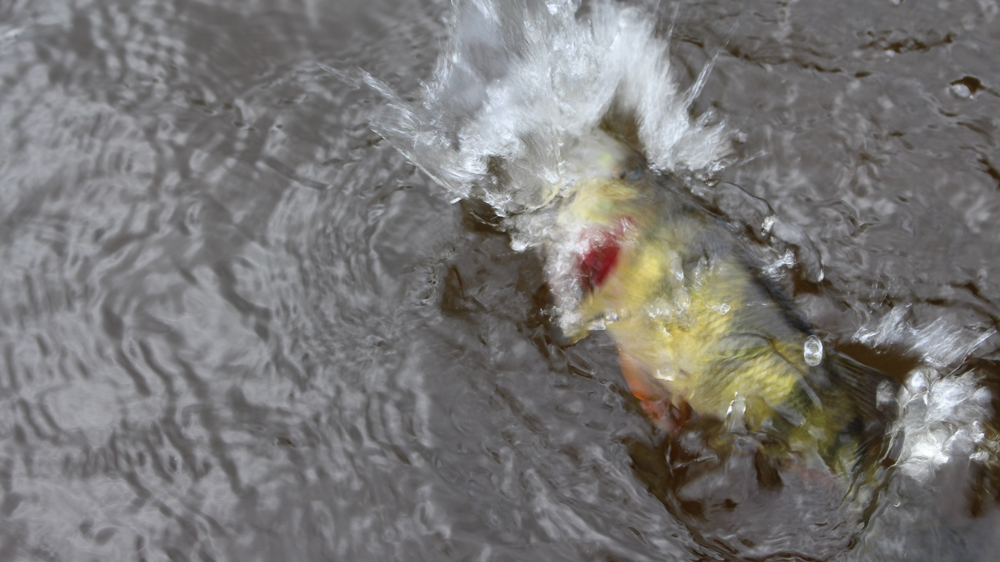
x=941 y=421
x=941 y=418
x=944 y=442
x=520 y=83
x=935 y=501
x=519 y=105
x=939 y=343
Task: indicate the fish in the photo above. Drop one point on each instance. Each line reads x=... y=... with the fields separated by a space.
x=700 y=330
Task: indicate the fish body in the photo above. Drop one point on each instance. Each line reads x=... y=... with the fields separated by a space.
x=696 y=325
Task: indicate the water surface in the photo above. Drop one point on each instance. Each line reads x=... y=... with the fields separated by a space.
x=235 y=324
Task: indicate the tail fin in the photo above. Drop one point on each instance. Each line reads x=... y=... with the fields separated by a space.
x=872 y=394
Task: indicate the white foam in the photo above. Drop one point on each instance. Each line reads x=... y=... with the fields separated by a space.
x=941 y=426
x=940 y=421
x=520 y=82
x=940 y=343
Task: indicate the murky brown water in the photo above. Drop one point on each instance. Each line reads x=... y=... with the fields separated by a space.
x=236 y=325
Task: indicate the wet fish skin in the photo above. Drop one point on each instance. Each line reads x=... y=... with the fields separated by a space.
x=698 y=327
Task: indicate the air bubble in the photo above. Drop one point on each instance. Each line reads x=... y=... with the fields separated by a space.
x=813 y=351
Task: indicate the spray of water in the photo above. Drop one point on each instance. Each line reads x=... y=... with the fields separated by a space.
x=945 y=444
x=513 y=114
x=521 y=82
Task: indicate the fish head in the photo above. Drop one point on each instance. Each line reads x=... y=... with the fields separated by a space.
x=602 y=214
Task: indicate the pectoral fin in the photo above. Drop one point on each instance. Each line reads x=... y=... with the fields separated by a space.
x=643 y=385
x=653 y=395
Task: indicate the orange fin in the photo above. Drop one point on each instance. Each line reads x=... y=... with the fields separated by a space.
x=642 y=385
x=653 y=395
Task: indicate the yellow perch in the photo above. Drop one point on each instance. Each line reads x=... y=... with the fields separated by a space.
x=698 y=329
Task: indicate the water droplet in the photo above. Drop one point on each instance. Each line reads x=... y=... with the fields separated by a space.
x=961 y=90
x=768 y=223
x=735 y=415
x=813 y=351
x=722 y=308
x=966 y=87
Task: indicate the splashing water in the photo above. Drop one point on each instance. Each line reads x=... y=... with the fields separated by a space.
x=521 y=83
x=514 y=112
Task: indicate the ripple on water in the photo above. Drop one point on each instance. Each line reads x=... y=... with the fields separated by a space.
x=234 y=324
